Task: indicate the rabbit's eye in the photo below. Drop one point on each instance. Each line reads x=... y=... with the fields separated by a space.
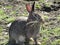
x=37 y=16
x=34 y=16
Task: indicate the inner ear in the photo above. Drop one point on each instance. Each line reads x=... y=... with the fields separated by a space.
x=28 y=7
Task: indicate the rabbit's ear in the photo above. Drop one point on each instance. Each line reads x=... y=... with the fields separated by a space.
x=28 y=7
x=33 y=6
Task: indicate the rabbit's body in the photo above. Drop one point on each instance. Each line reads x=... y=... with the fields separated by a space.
x=21 y=30
x=33 y=25
x=17 y=31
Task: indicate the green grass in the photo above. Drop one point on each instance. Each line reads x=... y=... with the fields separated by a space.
x=56 y=42
x=38 y=6
x=1 y=12
x=46 y=33
x=58 y=17
x=8 y=7
x=45 y=17
x=3 y=16
x=41 y=0
x=1 y=28
x=11 y=19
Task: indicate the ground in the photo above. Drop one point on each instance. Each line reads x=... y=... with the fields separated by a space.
x=49 y=31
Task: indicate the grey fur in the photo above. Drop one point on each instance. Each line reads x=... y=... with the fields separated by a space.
x=26 y=28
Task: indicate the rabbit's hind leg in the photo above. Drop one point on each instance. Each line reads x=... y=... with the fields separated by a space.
x=11 y=42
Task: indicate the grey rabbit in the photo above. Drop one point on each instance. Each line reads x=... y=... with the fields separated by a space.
x=21 y=30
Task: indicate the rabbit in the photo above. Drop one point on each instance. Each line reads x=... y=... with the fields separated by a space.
x=21 y=30
x=33 y=23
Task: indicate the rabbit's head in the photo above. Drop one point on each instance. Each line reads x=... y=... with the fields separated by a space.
x=32 y=15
